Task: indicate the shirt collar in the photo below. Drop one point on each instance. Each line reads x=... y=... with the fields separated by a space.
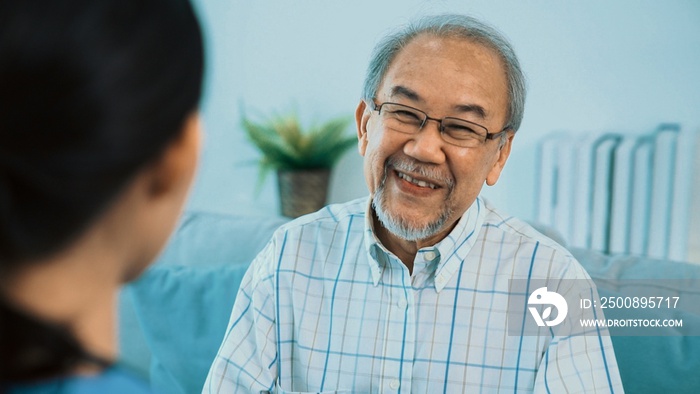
x=452 y=250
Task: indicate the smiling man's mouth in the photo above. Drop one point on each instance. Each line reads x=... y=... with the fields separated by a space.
x=416 y=182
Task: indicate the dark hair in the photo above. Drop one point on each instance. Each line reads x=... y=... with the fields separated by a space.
x=90 y=92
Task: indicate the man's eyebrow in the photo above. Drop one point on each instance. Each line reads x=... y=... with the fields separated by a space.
x=406 y=92
x=476 y=109
x=473 y=108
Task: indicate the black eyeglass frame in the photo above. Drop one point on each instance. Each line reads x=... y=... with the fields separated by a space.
x=489 y=136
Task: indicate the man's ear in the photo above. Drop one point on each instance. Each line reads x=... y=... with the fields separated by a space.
x=503 y=153
x=362 y=114
x=176 y=165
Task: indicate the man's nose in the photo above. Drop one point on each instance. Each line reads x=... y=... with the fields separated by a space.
x=427 y=144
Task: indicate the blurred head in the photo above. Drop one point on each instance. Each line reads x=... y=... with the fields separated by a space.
x=93 y=95
x=447 y=66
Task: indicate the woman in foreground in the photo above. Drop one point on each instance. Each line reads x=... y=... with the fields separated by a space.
x=99 y=138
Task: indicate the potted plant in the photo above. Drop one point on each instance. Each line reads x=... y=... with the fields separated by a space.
x=302 y=158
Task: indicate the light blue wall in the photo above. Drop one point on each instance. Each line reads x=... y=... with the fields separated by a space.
x=591 y=66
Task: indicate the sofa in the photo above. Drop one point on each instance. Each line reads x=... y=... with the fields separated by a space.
x=173 y=318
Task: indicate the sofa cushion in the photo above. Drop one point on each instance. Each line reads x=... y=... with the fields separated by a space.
x=201 y=239
x=183 y=312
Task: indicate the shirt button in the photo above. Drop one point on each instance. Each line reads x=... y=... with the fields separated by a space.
x=429 y=255
x=395 y=384
x=402 y=303
x=440 y=281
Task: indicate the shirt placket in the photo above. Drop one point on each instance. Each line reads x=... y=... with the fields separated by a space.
x=399 y=353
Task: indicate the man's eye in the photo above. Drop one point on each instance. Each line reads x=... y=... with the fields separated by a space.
x=406 y=116
x=461 y=132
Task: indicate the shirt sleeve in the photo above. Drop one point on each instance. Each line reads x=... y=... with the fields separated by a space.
x=247 y=359
x=577 y=361
x=580 y=363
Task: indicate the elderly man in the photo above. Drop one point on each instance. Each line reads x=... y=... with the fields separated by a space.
x=407 y=290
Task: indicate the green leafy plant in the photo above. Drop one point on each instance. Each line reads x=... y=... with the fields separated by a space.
x=285 y=145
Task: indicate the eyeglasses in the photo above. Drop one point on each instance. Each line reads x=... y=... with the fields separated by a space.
x=455 y=131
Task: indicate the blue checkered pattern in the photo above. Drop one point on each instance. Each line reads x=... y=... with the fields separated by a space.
x=326 y=308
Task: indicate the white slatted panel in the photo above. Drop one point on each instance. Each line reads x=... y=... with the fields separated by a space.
x=663 y=171
x=621 y=209
x=620 y=193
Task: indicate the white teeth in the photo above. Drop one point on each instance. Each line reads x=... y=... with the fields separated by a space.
x=415 y=181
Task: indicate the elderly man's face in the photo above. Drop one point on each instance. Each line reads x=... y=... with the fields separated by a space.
x=422 y=184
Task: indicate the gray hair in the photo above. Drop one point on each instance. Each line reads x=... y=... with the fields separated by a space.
x=451 y=25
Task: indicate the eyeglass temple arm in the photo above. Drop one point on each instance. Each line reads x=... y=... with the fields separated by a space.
x=490 y=136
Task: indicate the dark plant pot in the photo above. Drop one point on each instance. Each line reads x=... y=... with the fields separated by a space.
x=302 y=191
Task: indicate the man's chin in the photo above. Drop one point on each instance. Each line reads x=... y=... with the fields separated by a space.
x=409 y=229
x=407 y=222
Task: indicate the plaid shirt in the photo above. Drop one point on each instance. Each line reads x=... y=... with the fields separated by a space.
x=325 y=307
